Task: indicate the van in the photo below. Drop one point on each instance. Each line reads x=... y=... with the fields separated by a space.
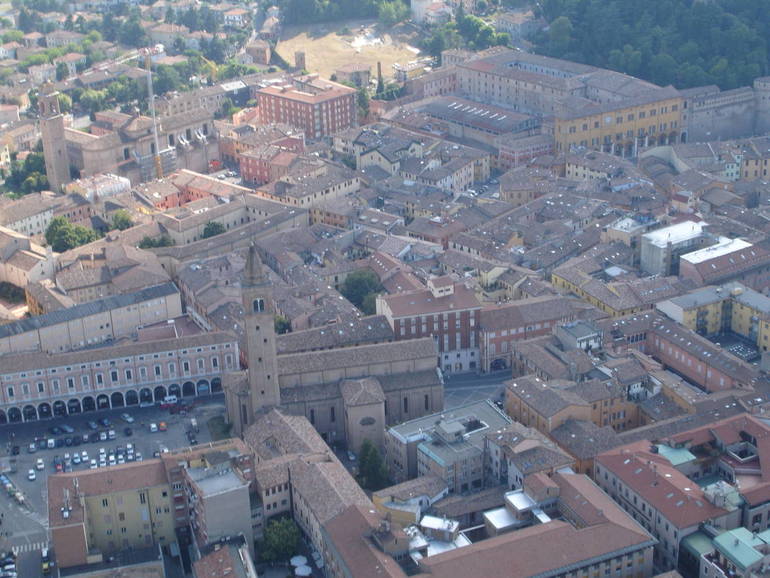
x=170 y=399
x=51 y=443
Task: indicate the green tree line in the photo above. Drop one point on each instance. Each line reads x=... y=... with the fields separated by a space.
x=681 y=42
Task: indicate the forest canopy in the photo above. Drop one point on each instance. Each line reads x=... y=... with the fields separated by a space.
x=681 y=42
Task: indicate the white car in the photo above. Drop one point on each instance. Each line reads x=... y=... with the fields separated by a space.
x=93 y=465
x=139 y=457
x=111 y=434
x=31 y=475
x=153 y=428
x=84 y=456
x=39 y=464
x=102 y=451
x=76 y=459
x=126 y=418
x=112 y=460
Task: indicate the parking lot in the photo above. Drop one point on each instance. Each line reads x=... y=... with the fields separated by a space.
x=27 y=524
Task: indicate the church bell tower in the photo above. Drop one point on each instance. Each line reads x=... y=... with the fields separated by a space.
x=259 y=327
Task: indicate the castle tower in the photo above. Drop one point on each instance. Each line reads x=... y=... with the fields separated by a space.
x=259 y=328
x=57 y=166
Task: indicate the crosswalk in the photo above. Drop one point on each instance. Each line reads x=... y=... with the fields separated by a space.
x=33 y=547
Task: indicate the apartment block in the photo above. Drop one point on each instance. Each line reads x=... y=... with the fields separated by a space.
x=91 y=323
x=40 y=385
x=501 y=325
x=731 y=307
x=447 y=311
x=697 y=359
x=683 y=486
x=316 y=106
x=449 y=446
x=661 y=248
x=96 y=513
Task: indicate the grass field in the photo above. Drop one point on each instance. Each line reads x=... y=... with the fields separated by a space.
x=326 y=48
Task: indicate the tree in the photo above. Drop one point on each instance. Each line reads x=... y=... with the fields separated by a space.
x=121 y=220
x=65 y=102
x=62 y=235
x=212 y=229
x=358 y=286
x=62 y=71
x=363 y=101
x=372 y=471
x=148 y=242
x=560 y=33
x=281 y=540
x=282 y=325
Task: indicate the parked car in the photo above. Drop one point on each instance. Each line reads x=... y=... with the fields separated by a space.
x=111 y=434
x=31 y=476
x=55 y=430
x=162 y=426
x=68 y=429
x=105 y=422
x=127 y=418
x=153 y=427
x=39 y=464
x=93 y=425
x=128 y=432
x=32 y=448
x=15 y=450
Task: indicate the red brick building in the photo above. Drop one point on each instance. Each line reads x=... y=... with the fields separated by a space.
x=501 y=325
x=447 y=311
x=317 y=107
x=697 y=359
x=266 y=165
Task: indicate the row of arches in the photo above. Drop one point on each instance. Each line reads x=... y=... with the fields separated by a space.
x=117 y=399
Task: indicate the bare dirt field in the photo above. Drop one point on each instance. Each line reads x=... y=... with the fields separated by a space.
x=330 y=45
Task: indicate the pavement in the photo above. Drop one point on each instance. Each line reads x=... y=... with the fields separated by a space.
x=27 y=526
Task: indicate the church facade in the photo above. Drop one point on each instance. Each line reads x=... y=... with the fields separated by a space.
x=349 y=393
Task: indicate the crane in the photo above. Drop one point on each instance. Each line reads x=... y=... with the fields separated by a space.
x=147 y=53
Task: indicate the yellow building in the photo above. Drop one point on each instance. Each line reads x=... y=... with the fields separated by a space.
x=729 y=307
x=621 y=127
x=94 y=513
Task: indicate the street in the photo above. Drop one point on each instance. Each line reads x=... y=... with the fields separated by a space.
x=27 y=525
x=466 y=388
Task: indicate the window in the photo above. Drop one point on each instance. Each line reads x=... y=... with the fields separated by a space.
x=40 y=387
x=312 y=416
x=332 y=417
x=70 y=383
x=215 y=362
x=105 y=503
x=114 y=376
x=186 y=366
x=406 y=405
x=142 y=498
x=10 y=391
x=426 y=402
x=200 y=364
x=157 y=371
x=121 y=516
x=129 y=375
x=99 y=379
x=258 y=305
